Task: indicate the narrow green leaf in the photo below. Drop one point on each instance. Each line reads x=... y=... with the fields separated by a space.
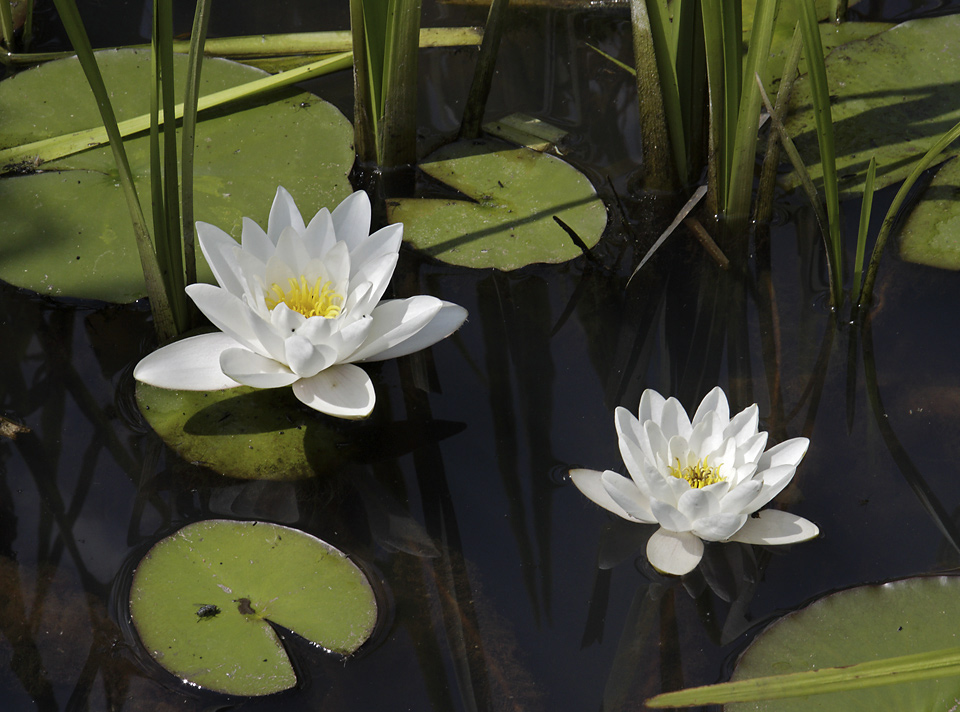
x=888 y=671
x=820 y=93
x=713 y=42
x=483 y=73
x=669 y=87
x=866 y=207
x=6 y=24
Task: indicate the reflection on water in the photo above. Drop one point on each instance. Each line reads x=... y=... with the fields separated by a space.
x=504 y=588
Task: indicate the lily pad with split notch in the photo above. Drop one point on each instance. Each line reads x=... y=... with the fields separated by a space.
x=516 y=194
x=857 y=625
x=70 y=234
x=203 y=599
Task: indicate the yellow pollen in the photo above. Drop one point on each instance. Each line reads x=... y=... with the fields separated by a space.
x=318 y=300
x=698 y=475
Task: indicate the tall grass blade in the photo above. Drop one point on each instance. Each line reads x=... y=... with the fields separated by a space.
x=655 y=134
x=712 y=11
x=159 y=301
x=483 y=74
x=198 y=38
x=666 y=71
x=732 y=34
x=820 y=94
x=6 y=25
x=866 y=207
x=923 y=164
x=397 y=130
x=737 y=207
x=366 y=77
x=691 y=74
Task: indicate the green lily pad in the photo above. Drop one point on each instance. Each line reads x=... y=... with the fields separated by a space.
x=244 y=432
x=857 y=625
x=893 y=95
x=70 y=234
x=203 y=600
x=931 y=233
x=517 y=193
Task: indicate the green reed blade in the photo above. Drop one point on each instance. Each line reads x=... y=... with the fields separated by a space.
x=398 y=123
x=866 y=207
x=6 y=24
x=732 y=33
x=888 y=221
x=820 y=94
x=673 y=112
x=712 y=11
x=198 y=38
x=163 y=316
x=476 y=103
x=691 y=73
x=887 y=671
x=737 y=208
x=50 y=149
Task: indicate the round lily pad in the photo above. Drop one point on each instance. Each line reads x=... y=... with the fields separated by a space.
x=244 y=432
x=70 y=234
x=203 y=600
x=517 y=192
x=931 y=233
x=866 y=623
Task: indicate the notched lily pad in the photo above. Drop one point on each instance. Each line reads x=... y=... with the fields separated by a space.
x=517 y=193
x=70 y=234
x=931 y=233
x=244 y=432
x=914 y=615
x=203 y=600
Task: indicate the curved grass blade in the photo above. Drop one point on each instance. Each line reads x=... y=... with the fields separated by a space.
x=866 y=207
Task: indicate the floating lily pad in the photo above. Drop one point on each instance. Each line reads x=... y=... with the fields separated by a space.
x=857 y=625
x=244 y=432
x=931 y=233
x=893 y=95
x=517 y=193
x=202 y=601
x=70 y=233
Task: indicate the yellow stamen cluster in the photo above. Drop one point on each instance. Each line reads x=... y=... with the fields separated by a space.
x=698 y=475
x=318 y=300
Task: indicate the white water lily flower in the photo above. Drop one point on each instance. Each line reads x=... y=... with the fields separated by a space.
x=299 y=305
x=700 y=480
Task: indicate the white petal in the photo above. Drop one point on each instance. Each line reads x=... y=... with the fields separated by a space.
x=651 y=406
x=789 y=452
x=402 y=326
x=385 y=241
x=191 y=364
x=743 y=424
x=283 y=214
x=750 y=449
x=669 y=516
x=738 y=499
x=774 y=481
x=707 y=435
x=306 y=359
x=630 y=449
x=719 y=527
x=772 y=527
x=255 y=370
x=676 y=553
x=343 y=391
x=590 y=484
x=226 y=312
x=319 y=236
x=351 y=219
x=714 y=402
x=220 y=249
x=290 y=251
x=378 y=273
x=696 y=504
x=674 y=420
x=255 y=241
x=628 y=496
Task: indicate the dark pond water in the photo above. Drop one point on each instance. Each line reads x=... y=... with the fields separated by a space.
x=503 y=587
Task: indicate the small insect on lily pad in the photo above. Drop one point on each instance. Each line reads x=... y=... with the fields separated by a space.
x=508 y=222
x=203 y=600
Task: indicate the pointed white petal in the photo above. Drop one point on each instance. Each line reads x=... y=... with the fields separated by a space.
x=719 y=527
x=402 y=326
x=191 y=364
x=385 y=241
x=696 y=504
x=283 y=214
x=772 y=527
x=319 y=236
x=351 y=219
x=651 y=406
x=738 y=499
x=255 y=241
x=674 y=420
x=255 y=370
x=774 y=481
x=744 y=424
x=669 y=516
x=220 y=250
x=343 y=391
x=789 y=452
x=714 y=402
x=226 y=312
x=590 y=484
x=306 y=359
x=290 y=251
x=676 y=553
x=707 y=435
x=378 y=273
x=628 y=496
